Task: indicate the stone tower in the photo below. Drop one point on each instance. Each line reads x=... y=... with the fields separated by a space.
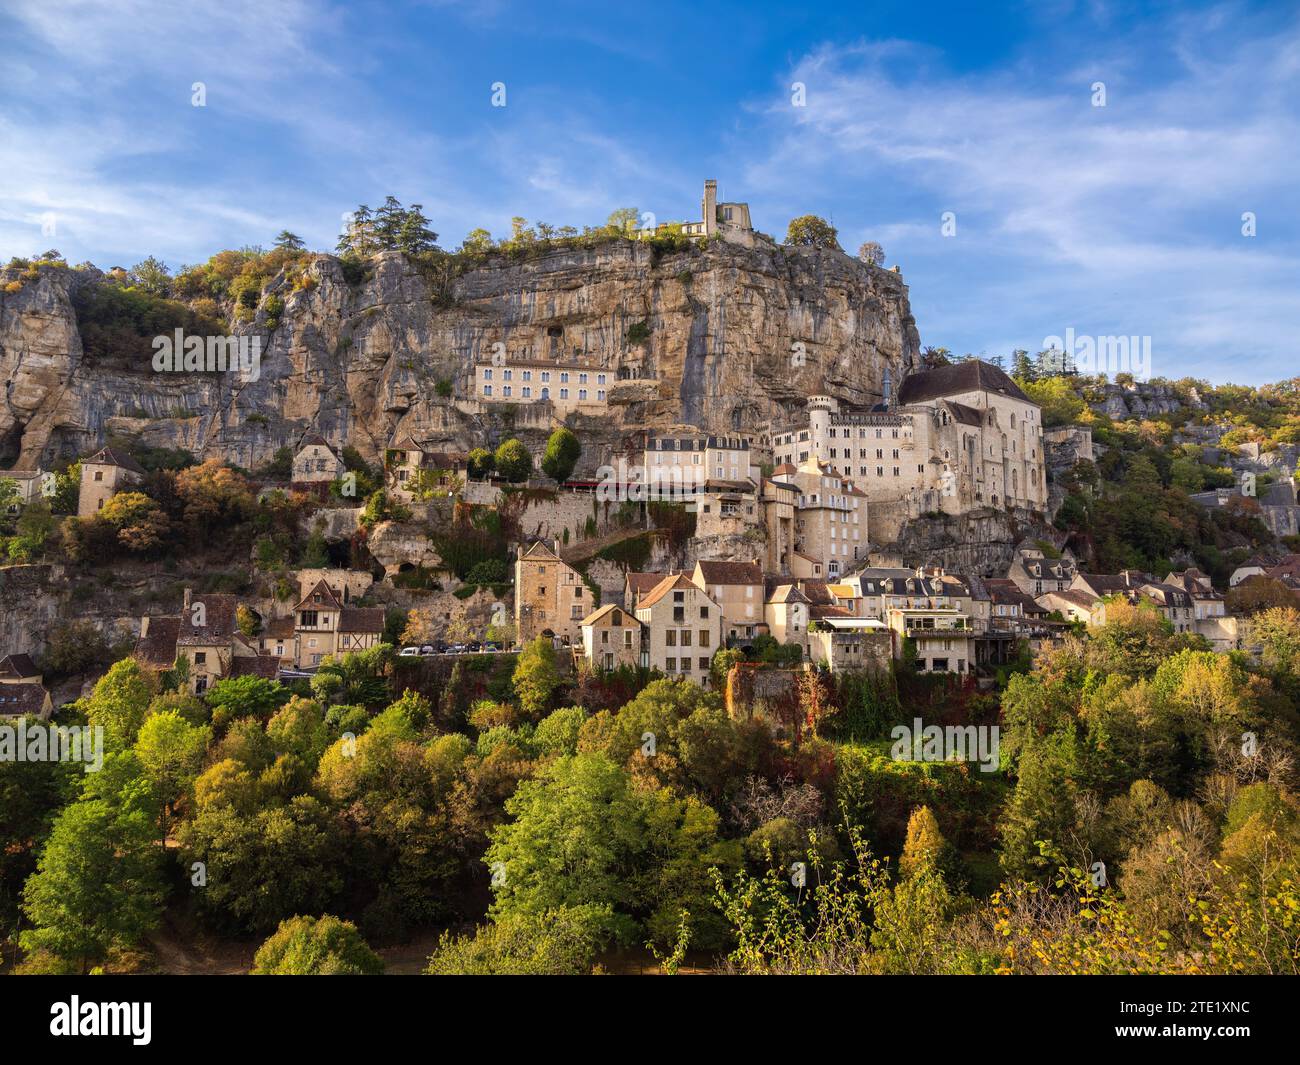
x=709 y=206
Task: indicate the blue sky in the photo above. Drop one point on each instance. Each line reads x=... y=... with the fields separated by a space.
x=1123 y=219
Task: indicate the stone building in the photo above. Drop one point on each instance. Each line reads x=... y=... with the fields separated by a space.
x=323 y=626
x=851 y=644
x=550 y=597
x=22 y=689
x=412 y=468
x=103 y=475
x=737 y=588
x=206 y=636
x=611 y=639
x=959 y=437
x=316 y=462
x=568 y=386
x=683 y=629
x=1034 y=573
x=830 y=518
x=27 y=482
x=728 y=220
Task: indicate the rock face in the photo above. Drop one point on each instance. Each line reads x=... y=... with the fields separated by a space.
x=727 y=337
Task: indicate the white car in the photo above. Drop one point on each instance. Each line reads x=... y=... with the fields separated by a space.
x=408 y=651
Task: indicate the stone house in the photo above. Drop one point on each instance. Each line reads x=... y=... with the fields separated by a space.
x=316 y=462
x=683 y=629
x=410 y=464
x=550 y=597
x=205 y=634
x=611 y=639
x=103 y=475
x=323 y=626
x=851 y=644
x=27 y=482
x=22 y=689
x=737 y=588
x=1034 y=573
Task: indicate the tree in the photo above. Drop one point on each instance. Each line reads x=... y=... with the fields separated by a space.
x=264 y=864
x=120 y=701
x=809 y=231
x=581 y=834
x=1259 y=593
x=623 y=220
x=289 y=241
x=236 y=697
x=536 y=677
x=1041 y=810
x=98 y=884
x=872 y=253
x=311 y=946
x=171 y=752
x=561 y=942
x=140 y=523
x=562 y=453
x=925 y=844
x=153 y=276
x=481 y=463
x=513 y=462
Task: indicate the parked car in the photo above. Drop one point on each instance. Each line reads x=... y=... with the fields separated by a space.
x=408 y=651
x=474 y=647
x=427 y=649
x=491 y=646
x=440 y=647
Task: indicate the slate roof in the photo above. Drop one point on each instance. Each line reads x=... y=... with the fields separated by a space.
x=18 y=667
x=109 y=457
x=970 y=376
x=731 y=572
x=18 y=700
x=361 y=619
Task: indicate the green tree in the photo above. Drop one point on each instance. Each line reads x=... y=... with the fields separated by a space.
x=536 y=677
x=120 y=701
x=562 y=453
x=481 y=463
x=289 y=241
x=312 y=946
x=98 y=883
x=562 y=942
x=513 y=462
x=171 y=752
x=236 y=697
x=810 y=231
x=582 y=834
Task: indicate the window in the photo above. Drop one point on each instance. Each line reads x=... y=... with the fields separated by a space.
x=487 y=390
x=670 y=665
x=670 y=638
x=704 y=637
x=99 y=475
x=704 y=611
x=686 y=637
x=528 y=375
x=527 y=392
x=505 y=391
x=704 y=665
x=307 y=619
x=200 y=657
x=627 y=637
x=487 y=375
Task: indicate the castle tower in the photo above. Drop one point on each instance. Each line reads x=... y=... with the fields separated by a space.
x=887 y=388
x=709 y=207
x=820 y=409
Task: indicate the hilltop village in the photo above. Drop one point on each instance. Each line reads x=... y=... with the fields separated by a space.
x=563 y=595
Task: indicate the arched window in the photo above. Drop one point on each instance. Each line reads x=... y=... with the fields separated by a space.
x=546 y=393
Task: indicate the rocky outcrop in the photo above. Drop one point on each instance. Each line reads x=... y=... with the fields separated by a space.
x=727 y=338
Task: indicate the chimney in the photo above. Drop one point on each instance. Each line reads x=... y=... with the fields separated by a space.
x=556 y=542
x=185 y=601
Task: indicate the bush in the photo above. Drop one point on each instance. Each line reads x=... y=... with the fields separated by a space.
x=310 y=946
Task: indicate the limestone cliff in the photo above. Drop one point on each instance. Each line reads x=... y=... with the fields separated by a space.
x=361 y=363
